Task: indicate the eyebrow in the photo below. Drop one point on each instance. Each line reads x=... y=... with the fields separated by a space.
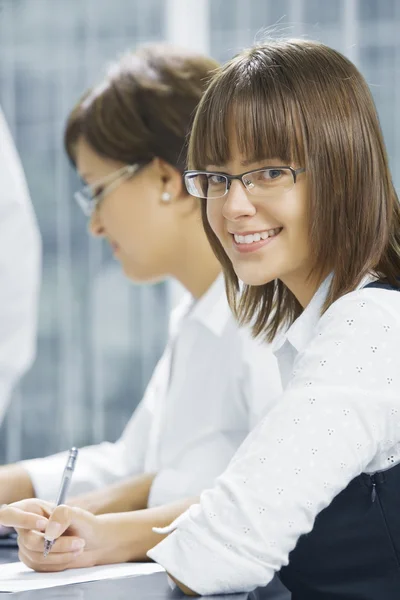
x=246 y=163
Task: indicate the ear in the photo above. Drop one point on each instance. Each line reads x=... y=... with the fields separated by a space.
x=171 y=180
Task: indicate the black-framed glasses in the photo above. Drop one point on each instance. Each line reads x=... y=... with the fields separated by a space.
x=268 y=181
x=90 y=196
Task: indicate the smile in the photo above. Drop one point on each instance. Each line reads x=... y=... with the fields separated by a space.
x=254 y=241
x=256 y=237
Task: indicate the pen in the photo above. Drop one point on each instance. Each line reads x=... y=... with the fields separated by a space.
x=66 y=480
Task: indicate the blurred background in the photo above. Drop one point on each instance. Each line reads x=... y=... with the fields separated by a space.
x=100 y=336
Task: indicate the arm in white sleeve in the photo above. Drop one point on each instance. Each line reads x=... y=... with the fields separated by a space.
x=20 y=270
x=337 y=414
x=196 y=470
x=258 y=386
x=103 y=464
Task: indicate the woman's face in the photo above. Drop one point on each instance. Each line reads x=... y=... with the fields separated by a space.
x=139 y=226
x=286 y=253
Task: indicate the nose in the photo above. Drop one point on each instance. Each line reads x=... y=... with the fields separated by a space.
x=95 y=228
x=237 y=204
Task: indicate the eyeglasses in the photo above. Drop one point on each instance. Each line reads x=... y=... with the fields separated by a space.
x=269 y=181
x=90 y=196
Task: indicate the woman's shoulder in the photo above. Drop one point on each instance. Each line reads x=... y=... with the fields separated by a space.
x=366 y=312
x=371 y=299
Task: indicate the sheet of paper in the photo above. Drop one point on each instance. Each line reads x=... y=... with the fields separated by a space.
x=16 y=577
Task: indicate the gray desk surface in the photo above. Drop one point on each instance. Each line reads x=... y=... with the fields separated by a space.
x=149 y=587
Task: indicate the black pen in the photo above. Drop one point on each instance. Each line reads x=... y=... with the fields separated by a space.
x=62 y=494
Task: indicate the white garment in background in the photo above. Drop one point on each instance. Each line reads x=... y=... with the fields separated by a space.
x=20 y=270
x=339 y=416
x=208 y=391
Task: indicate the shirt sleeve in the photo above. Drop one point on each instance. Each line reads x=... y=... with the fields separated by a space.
x=196 y=470
x=20 y=270
x=339 y=411
x=259 y=386
x=106 y=463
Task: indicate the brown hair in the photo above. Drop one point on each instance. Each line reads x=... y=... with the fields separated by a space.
x=143 y=108
x=308 y=105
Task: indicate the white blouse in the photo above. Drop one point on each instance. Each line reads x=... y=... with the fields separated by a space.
x=339 y=415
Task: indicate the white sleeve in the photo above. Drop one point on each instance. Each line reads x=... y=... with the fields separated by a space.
x=258 y=383
x=20 y=270
x=106 y=463
x=340 y=410
x=196 y=470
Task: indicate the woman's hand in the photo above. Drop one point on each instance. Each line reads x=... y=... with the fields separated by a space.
x=78 y=534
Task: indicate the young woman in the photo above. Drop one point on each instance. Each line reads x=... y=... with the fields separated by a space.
x=299 y=205
x=127 y=139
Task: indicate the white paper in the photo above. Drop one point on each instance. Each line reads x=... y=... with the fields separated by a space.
x=16 y=577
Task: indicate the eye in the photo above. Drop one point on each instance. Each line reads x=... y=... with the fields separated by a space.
x=216 y=179
x=269 y=174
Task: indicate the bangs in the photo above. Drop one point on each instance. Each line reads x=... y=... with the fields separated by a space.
x=249 y=110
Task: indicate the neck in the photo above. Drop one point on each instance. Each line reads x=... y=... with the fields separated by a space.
x=302 y=286
x=196 y=267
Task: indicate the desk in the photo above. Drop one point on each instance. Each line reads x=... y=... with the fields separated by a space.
x=148 y=587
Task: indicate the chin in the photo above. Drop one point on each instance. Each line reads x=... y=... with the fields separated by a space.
x=255 y=277
x=142 y=275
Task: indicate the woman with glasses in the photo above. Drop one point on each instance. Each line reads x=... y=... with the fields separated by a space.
x=127 y=139
x=299 y=205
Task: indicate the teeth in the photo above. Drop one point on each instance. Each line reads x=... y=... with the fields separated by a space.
x=256 y=237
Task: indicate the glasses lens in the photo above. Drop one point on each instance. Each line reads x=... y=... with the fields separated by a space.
x=206 y=185
x=269 y=182
x=85 y=200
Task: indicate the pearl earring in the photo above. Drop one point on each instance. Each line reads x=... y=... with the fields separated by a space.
x=165 y=197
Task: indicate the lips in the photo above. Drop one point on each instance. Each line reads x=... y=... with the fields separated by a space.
x=252 y=242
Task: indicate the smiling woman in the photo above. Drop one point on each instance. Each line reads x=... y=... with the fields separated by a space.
x=309 y=239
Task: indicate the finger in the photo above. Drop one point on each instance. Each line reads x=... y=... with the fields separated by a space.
x=64 y=517
x=10 y=516
x=59 y=521
x=33 y=541
x=33 y=505
x=56 y=562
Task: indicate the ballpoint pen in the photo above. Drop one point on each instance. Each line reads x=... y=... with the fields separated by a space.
x=62 y=494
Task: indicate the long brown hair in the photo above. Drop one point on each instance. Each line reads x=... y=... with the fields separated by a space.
x=144 y=107
x=308 y=105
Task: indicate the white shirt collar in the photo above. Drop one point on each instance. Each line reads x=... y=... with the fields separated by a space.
x=301 y=331
x=212 y=308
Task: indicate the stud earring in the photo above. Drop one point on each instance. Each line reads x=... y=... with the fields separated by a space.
x=165 y=196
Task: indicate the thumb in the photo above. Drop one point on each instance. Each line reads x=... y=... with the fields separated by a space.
x=63 y=518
